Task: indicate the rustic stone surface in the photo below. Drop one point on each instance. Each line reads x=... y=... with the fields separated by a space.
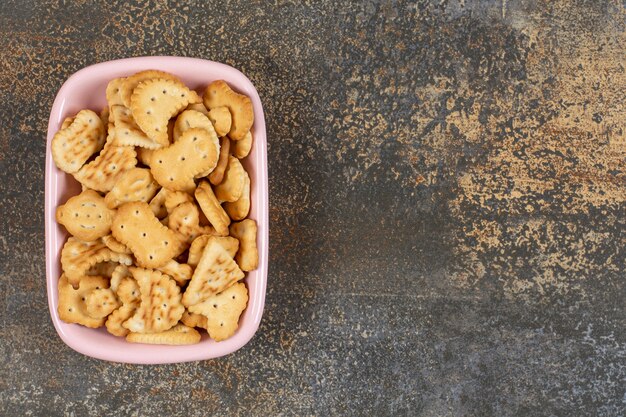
x=448 y=189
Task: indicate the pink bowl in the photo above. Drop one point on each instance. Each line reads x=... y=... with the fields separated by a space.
x=86 y=89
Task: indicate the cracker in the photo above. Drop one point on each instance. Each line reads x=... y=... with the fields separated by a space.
x=212 y=209
x=130 y=83
x=217 y=175
x=72 y=307
x=177 y=335
x=238 y=210
x=229 y=243
x=85 y=216
x=73 y=146
x=128 y=291
x=115 y=245
x=105 y=116
x=241 y=148
x=185 y=220
x=190 y=119
x=102 y=173
x=175 y=198
x=198 y=107
x=77 y=257
x=67 y=122
x=215 y=272
x=180 y=272
x=221 y=119
x=127 y=132
x=248 y=255
x=119 y=273
x=101 y=302
x=219 y=94
x=114 y=98
x=136 y=184
x=153 y=244
x=231 y=187
x=155 y=101
x=176 y=166
x=194 y=320
x=160 y=307
x=119 y=316
x=223 y=311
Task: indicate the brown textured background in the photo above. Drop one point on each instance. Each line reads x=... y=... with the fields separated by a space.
x=448 y=199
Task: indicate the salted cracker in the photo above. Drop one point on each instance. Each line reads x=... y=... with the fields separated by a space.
x=217 y=175
x=196 y=249
x=115 y=245
x=114 y=97
x=102 y=173
x=241 y=148
x=248 y=255
x=238 y=210
x=180 y=272
x=219 y=94
x=184 y=219
x=101 y=302
x=85 y=216
x=71 y=305
x=221 y=119
x=223 y=311
x=231 y=187
x=127 y=132
x=72 y=146
x=177 y=335
x=136 y=184
x=212 y=209
x=129 y=84
x=194 y=320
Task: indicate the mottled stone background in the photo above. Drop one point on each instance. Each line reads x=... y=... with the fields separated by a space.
x=448 y=199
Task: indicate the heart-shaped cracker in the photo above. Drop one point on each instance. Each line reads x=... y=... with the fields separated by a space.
x=212 y=208
x=155 y=101
x=160 y=307
x=196 y=249
x=221 y=119
x=241 y=148
x=73 y=146
x=101 y=302
x=231 y=187
x=185 y=220
x=72 y=307
x=78 y=256
x=217 y=175
x=219 y=94
x=129 y=84
x=152 y=243
x=102 y=173
x=238 y=210
x=85 y=216
x=177 y=335
x=127 y=132
x=248 y=255
x=176 y=166
x=223 y=310
x=215 y=272
x=136 y=184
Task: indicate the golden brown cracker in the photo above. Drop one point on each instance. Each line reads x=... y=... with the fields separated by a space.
x=175 y=198
x=160 y=307
x=217 y=175
x=180 y=272
x=177 y=335
x=157 y=204
x=114 y=98
x=103 y=269
x=128 y=290
x=238 y=210
x=155 y=101
x=136 y=184
x=119 y=316
x=127 y=132
x=223 y=311
x=119 y=273
x=101 y=302
x=248 y=255
x=241 y=148
x=153 y=244
x=219 y=94
x=115 y=245
x=73 y=146
x=67 y=122
x=102 y=173
x=229 y=243
x=72 y=307
x=212 y=208
x=85 y=216
x=185 y=220
x=130 y=83
x=194 y=320
x=221 y=119
x=215 y=272
x=198 y=107
x=190 y=119
x=231 y=187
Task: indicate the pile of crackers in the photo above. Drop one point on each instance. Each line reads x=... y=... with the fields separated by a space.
x=159 y=236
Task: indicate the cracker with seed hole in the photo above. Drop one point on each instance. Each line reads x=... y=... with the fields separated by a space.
x=175 y=166
x=185 y=220
x=77 y=257
x=127 y=132
x=101 y=302
x=114 y=98
x=119 y=316
x=103 y=269
x=190 y=119
x=194 y=320
x=115 y=245
x=223 y=311
x=130 y=83
x=160 y=306
x=136 y=184
x=241 y=148
x=229 y=243
x=177 y=335
x=119 y=273
x=102 y=173
x=72 y=307
x=217 y=175
x=219 y=94
x=238 y=210
x=215 y=272
x=212 y=208
x=73 y=146
x=85 y=216
x=231 y=187
x=155 y=101
x=180 y=272
x=248 y=255
x=221 y=119
x=153 y=244
x=175 y=198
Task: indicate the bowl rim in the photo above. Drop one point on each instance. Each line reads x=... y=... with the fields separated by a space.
x=248 y=329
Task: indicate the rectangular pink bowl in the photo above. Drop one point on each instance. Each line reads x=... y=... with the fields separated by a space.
x=86 y=89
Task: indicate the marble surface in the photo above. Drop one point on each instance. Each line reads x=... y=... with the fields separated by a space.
x=447 y=190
